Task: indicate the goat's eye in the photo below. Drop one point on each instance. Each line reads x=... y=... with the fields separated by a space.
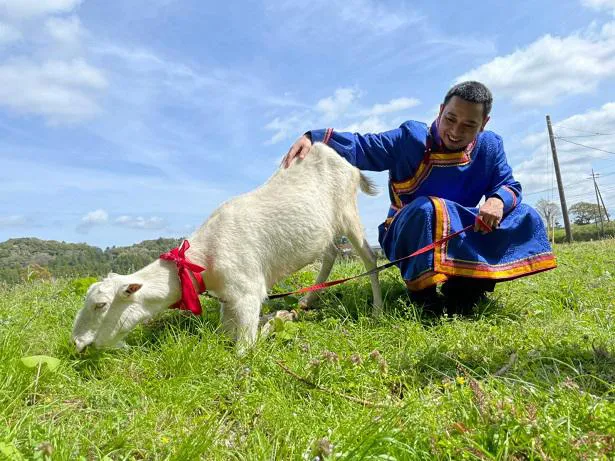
x=99 y=306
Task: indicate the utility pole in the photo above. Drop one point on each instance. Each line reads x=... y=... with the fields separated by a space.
x=560 y=185
x=598 y=203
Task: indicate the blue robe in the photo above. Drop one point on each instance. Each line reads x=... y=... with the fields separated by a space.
x=434 y=193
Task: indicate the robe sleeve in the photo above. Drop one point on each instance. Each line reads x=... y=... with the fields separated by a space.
x=503 y=184
x=373 y=152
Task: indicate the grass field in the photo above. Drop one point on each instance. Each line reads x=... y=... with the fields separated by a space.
x=530 y=376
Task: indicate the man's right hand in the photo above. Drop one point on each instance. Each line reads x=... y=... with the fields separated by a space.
x=299 y=149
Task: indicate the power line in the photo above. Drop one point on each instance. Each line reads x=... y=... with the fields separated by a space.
x=583 y=145
x=549 y=189
x=584 y=194
x=595 y=133
x=587 y=135
x=607 y=188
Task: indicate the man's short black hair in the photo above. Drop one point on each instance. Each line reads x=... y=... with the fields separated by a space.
x=472 y=92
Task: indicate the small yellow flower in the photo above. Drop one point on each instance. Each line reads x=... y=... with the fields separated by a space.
x=165 y=439
x=460 y=380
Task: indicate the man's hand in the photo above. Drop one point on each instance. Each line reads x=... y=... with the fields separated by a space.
x=299 y=149
x=490 y=213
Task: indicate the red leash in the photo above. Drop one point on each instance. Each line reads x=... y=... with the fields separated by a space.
x=190 y=298
x=320 y=286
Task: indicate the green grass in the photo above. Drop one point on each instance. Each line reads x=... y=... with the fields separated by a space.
x=530 y=376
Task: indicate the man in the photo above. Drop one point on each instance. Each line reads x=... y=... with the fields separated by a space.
x=438 y=174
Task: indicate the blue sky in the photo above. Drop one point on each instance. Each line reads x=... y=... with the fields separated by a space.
x=128 y=120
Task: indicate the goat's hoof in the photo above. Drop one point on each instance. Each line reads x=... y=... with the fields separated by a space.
x=287 y=316
x=303 y=303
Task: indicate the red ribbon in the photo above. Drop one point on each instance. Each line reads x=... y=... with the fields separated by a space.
x=190 y=298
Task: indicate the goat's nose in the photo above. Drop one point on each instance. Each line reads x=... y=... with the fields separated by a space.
x=80 y=345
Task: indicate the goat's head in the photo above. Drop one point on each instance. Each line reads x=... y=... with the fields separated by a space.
x=112 y=308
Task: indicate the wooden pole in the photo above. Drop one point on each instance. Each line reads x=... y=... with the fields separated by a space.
x=560 y=185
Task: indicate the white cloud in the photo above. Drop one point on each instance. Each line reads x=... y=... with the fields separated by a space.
x=92 y=219
x=462 y=44
x=12 y=221
x=342 y=109
x=374 y=15
x=58 y=90
x=101 y=217
x=65 y=30
x=139 y=222
x=575 y=161
x=33 y=8
x=95 y=217
x=371 y=124
x=9 y=33
x=394 y=105
x=599 y=4
x=369 y=15
x=550 y=67
x=285 y=128
x=334 y=106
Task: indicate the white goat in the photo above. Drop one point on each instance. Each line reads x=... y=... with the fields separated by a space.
x=247 y=244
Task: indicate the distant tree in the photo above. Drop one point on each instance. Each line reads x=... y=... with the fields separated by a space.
x=35 y=272
x=30 y=258
x=586 y=213
x=549 y=211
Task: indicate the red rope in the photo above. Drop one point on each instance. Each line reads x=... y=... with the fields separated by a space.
x=320 y=286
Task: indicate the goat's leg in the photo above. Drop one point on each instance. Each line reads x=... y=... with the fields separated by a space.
x=356 y=237
x=328 y=259
x=227 y=320
x=240 y=317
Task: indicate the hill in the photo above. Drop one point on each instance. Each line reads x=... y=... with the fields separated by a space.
x=27 y=258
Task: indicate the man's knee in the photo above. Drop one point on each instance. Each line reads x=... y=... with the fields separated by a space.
x=420 y=206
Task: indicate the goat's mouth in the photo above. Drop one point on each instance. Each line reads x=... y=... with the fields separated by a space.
x=81 y=344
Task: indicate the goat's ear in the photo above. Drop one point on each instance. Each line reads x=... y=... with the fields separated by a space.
x=130 y=289
x=111 y=275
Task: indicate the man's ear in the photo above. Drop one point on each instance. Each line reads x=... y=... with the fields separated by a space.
x=487 y=118
x=130 y=289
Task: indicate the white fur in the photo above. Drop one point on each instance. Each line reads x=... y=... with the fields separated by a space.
x=247 y=244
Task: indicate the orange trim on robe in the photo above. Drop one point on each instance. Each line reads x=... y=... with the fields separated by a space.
x=431 y=160
x=454 y=267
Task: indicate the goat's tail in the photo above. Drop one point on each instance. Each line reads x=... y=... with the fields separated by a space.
x=368 y=185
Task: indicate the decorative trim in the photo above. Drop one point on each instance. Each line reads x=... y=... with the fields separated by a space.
x=429 y=161
x=514 y=196
x=328 y=134
x=426 y=280
x=449 y=266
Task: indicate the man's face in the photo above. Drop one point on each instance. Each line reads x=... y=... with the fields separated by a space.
x=460 y=122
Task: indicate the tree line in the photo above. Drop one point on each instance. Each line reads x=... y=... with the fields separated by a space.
x=583 y=214
x=29 y=258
